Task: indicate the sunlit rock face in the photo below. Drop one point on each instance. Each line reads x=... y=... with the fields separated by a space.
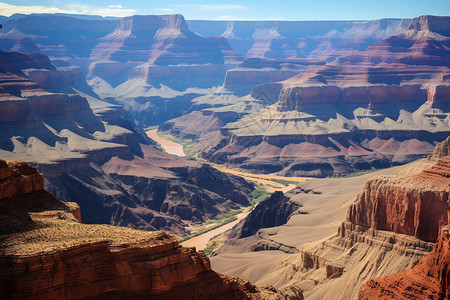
x=46 y=252
x=357 y=112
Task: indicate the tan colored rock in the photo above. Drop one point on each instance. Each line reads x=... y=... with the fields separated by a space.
x=52 y=256
x=442 y=149
x=430 y=279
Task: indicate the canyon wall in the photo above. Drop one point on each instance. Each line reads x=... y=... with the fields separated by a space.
x=404 y=206
x=357 y=112
x=47 y=253
x=22 y=193
x=430 y=278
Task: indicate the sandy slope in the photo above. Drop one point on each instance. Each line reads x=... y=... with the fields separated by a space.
x=326 y=210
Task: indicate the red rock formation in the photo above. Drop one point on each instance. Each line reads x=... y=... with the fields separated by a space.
x=58 y=258
x=429 y=279
x=415 y=205
x=155 y=267
x=22 y=192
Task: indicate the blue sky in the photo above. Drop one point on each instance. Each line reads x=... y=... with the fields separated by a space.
x=292 y=10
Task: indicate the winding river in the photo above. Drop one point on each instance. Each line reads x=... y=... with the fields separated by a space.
x=200 y=241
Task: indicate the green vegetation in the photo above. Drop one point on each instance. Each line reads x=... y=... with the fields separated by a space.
x=217 y=222
x=259 y=194
x=210 y=248
x=357 y=173
x=284 y=182
x=212 y=244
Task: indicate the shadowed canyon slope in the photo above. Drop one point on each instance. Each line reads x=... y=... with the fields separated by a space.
x=321 y=99
x=383 y=106
x=65 y=109
x=49 y=254
x=400 y=229
x=89 y=147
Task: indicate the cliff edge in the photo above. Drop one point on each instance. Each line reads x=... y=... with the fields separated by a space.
x=46 y=253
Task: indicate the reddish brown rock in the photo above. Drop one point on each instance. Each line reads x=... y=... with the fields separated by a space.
x=56 y=257
x=154 y=266
x=429 y=279
x=413 y=205
x=22 y=193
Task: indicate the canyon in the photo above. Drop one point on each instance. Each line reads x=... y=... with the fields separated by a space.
x=376 y=234
x=364 y=104
x=86 y=146
x=381 y=107
x=48 y=253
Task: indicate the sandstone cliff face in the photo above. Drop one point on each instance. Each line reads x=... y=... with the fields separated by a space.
x=403 y=216
x=429 y=279
x=22 y=193
x=395 y=90
x=154 y=265
x=416 y=206
x=442 y=149
x=57 y=257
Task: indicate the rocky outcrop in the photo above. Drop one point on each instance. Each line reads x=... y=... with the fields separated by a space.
x=429 y=279
x=395 y=90
x=416 y=205
x=17 y=63
x=111 y=266
x=274 y=211
x=57 y=257
x=442 y=149
x=22 y=193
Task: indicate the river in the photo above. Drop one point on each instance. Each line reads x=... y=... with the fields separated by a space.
x=200 y=241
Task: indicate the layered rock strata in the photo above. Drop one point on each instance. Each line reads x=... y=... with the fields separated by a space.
x=402 y=205
x=403 y=217
x=429 y=279
x=57 y=257
x=22 y=193
x=358 y=112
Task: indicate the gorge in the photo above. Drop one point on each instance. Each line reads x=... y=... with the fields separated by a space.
x=325 y=142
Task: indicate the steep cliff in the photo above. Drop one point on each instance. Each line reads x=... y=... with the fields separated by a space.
x=429 y=279
x=383 y=106
x=442 y=149
x=416 y=205
x=22 y=193
x=274 y=211
x=48 y=254
x=403 y=217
